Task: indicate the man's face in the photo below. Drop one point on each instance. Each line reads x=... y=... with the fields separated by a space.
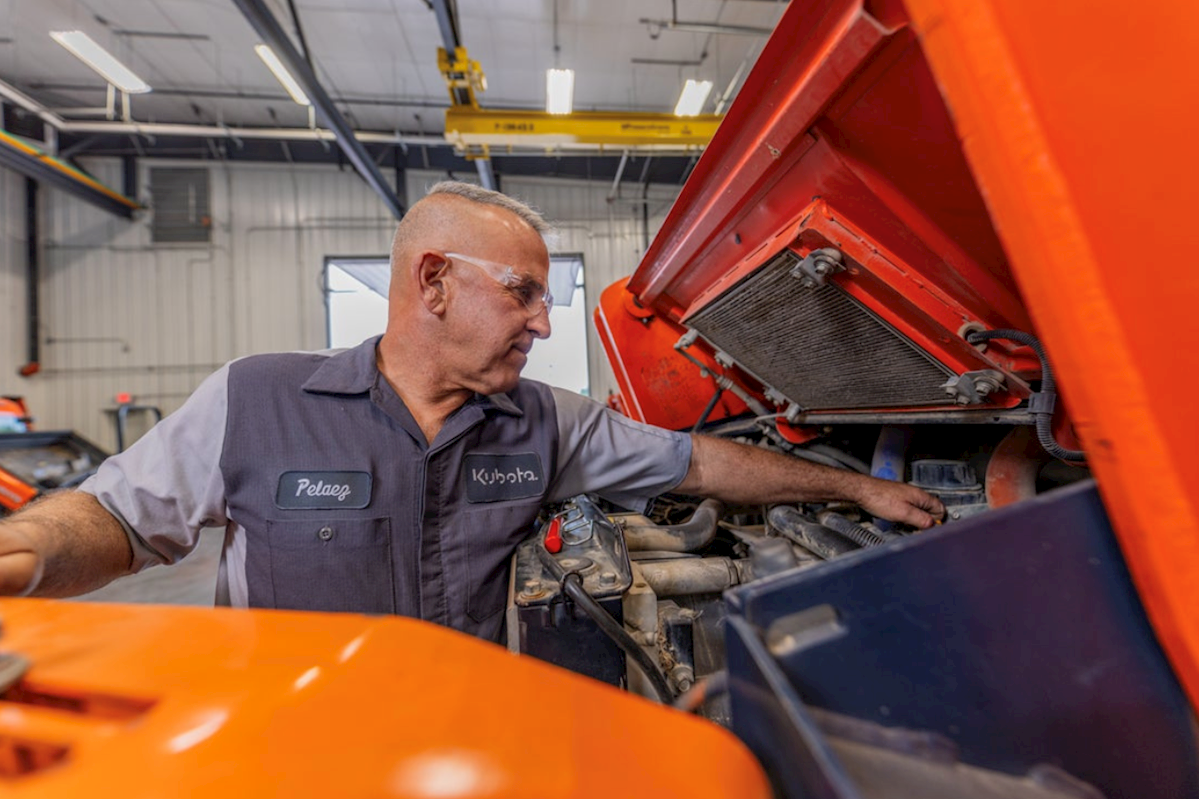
x=499 y=306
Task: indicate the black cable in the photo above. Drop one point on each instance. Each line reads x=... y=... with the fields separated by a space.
x=573 y=586
x=1041 y=403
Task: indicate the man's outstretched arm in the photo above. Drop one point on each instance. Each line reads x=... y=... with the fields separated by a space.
x=63 y=545
x=741 y=473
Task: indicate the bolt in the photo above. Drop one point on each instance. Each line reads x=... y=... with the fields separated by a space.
x=683 y=677
x=955 y=514
x=532 y=588
x=608 y=579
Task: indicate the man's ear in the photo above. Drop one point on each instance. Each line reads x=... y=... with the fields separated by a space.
x=431 y=282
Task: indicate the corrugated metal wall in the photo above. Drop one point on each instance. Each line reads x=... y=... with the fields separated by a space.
x=119 y=314
x=12 y=280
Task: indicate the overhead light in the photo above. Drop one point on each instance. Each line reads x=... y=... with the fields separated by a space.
x=560 y=86
x=281 y=74
x=86 y=50
x=691 y=99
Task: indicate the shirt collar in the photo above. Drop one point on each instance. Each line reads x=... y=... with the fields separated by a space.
x=351 y=371
x=355 y=371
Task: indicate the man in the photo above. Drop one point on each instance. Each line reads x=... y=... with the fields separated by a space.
x=397 y=476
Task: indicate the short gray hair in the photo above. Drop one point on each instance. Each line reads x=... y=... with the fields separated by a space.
x=478 y=194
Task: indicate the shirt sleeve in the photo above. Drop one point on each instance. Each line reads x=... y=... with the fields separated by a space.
x=168 y=485
x=602 y=452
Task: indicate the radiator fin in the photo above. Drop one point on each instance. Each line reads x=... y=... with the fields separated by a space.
x=819 y=347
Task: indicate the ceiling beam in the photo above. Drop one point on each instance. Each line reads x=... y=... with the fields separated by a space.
x=35 y=164
x=264 y=22
x=447 y=17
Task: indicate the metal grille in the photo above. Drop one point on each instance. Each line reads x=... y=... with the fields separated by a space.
x=180 y=201
x=819 y=347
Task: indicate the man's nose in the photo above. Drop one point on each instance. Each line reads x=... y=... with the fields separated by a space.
x=539 y=323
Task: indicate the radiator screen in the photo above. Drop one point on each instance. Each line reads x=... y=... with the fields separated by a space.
x=819 y=347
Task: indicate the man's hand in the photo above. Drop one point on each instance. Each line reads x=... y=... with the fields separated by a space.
x=20 y=563
x=62 y=545
x=899 y=502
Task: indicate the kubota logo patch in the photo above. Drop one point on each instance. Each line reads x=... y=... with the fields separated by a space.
x=495 y=478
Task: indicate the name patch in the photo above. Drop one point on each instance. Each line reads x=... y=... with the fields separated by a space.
x=494 y=478
x=300 y=490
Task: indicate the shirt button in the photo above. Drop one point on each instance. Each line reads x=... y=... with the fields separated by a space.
x=325 y=533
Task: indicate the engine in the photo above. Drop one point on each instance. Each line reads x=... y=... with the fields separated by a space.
x=637 y=600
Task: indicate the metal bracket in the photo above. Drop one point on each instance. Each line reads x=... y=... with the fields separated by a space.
x=970 y=388
x=817 y=266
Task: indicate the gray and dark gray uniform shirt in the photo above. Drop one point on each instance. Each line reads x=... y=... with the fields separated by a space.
x=331 y=498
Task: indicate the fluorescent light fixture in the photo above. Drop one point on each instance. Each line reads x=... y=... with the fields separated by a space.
x=281 y=74
x=691 y=99
x=86 y=50
x=560 y=86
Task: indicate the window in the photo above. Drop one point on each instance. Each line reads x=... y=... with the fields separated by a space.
x=356 y=297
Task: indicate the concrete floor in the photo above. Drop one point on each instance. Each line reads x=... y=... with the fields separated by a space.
x=191 y=581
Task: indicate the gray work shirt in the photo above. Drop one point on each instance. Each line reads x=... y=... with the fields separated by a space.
x=331 y=498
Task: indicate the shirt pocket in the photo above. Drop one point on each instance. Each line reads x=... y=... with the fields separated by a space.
x=493 y=533
x=332 y=564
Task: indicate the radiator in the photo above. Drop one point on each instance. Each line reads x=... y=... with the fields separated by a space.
x=818 y=347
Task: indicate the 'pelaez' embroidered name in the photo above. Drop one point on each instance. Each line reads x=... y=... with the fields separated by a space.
x=490 y=477
x=311 y=490
x=307 y=488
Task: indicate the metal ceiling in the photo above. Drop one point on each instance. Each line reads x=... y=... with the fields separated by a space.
x=377 y=61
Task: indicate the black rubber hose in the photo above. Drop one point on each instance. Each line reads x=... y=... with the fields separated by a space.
x=708 y=409
x=573 y=585
x=690 y=536
x=1041 y=403
x=821 y=541
x=843 y=526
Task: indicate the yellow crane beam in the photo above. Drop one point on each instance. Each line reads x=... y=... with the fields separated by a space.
x=474 y=131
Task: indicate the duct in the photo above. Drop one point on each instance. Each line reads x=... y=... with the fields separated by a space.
x=264 y=22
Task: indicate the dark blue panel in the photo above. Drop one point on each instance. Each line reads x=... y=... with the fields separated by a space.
x=1016 y=634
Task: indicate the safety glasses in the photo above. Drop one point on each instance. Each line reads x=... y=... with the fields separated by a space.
x=532 y=294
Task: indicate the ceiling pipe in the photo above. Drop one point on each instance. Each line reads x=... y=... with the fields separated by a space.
x=676 y=24
x=264 y=22
x=616 y=185
x=151 y=129
x=29 y=104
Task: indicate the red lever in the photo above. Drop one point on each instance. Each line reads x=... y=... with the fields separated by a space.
x=554 y=537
